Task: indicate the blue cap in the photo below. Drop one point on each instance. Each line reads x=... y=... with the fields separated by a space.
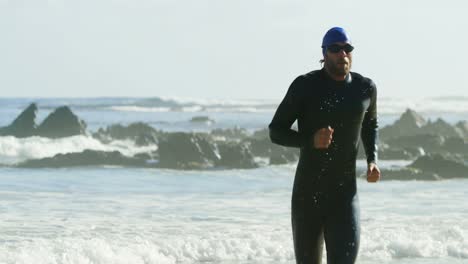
x=334 y=35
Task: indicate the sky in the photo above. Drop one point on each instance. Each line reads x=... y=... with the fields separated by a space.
x=226 y=49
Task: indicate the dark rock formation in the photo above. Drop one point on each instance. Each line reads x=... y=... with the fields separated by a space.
x=440 y=127
x=261 y=146
x=262 y=133
x=232 y=133
x=144 y=156
x=142 y=133
x=85 y=158
x=283 y=156
x=455 y=145
x=409 y=123
x=429 y=142
x=412 y=124
x=186 y=151
x=395 y=154
x=24 y=125
x=201 y=119
x=146 y=140
x=61 y=123
x=462 y=127
x=429 y=168
x=407 y=174
x=410 y=137
x=446 y=166
x=412 y=132
x=235 y=156
x=417 y=145
x=390 y=152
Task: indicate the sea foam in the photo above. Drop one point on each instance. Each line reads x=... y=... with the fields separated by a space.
x=14 y=150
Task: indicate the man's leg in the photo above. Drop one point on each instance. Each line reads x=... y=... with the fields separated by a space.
x=307 y=227
x=342 y=231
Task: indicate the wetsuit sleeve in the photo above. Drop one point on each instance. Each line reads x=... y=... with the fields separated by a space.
x=287 y=112
x=369 y=130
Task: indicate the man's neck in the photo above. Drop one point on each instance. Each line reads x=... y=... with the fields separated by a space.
x=335 y=77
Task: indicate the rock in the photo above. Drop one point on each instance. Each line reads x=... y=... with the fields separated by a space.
x=201 y=119
x=286 y=153
x=144 y=156
x=231 y=134
x=263 y=133
x=387 y=152
x=412 y=124
x=446 y=166
x=142 y=133
x=440 y=127
x=407 y=174
x=236 y=156
x=278 y=159
x=85 y=158
x=146 y=140
x=208 y=148
x=263 y=147
x=415 y=152
x=455 y=145
x=462 y=127
x=429 y=142
x=411 y=131
x=62 y=122
x=181 y=150
x=394 y=154
x=24 y=125
x=283 y=157
x=409 y=123
x=260 y=146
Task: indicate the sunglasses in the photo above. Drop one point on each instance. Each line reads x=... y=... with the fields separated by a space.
x=335 y=48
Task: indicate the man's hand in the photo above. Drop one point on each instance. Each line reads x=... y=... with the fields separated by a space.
x=323 y=137
x=373 y=172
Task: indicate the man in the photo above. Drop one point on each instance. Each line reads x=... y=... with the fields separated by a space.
x=333 y=107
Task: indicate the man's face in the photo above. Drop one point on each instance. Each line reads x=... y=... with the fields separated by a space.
x=338 y=63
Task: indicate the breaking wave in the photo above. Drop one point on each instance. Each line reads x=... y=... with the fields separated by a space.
x=14 y=150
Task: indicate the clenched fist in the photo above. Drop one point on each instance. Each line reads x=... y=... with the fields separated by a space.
x=373 y=172
x=323 y=137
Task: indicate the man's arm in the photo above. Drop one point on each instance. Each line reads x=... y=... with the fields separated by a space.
x=287 y=112
x=369 y=136
x=369 y=130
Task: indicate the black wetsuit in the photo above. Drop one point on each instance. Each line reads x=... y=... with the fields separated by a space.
x=324 y=201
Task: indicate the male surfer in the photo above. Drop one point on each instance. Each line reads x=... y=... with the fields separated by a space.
x=334 y=107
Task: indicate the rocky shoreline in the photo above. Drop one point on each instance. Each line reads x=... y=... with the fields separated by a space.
x=438 y=150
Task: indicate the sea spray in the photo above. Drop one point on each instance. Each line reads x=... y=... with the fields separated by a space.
x=14 y=150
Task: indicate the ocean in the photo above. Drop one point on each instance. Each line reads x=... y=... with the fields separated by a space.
x=128 y=215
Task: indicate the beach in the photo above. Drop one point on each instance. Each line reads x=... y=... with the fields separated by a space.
x=112 y=214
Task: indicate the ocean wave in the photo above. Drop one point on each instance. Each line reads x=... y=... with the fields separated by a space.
x=192 y=109
x=139 y=109
x=251 y=109
x=229 y=247
x=155 y=104
x=14 y=150
x=218 y=102
x=411 y=241
x=386 y=105
x=427 y=105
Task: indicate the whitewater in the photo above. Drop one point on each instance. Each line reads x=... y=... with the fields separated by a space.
x=122 y=215
x=115 y=215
